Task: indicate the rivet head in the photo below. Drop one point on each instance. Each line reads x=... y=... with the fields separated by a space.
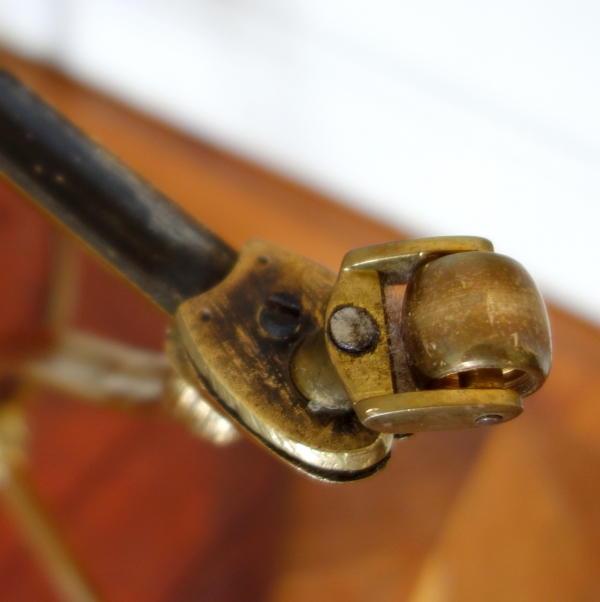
x=353 y=329
x=489 y=420
x=280 y=317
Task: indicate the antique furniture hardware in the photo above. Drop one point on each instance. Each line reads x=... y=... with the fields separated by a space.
x=414 y=335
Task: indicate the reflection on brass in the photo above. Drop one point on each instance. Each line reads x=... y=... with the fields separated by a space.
x=316 y=378
x=403 y=257
x=359 y=285
x=489 y=419
x=13 y=434
x=187 y=400
x=247 y=368
x=193 y=408
x=481 y=378
x=471 y=328
x=476 y=310
x=438 y=410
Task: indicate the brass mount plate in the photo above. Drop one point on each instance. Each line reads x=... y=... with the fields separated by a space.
x=241 y=336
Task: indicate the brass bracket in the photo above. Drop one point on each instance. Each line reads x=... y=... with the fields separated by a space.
x=437 y=333
x=416 y=335
x=240 y=338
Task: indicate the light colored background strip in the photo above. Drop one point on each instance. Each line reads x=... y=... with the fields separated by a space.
x=446 y=118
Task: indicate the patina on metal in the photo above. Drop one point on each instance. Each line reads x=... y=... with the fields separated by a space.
x=472 y=311
x=353 y=329
x=359 y=285
x=188 y=401
x=415 y=335
x=466 y=335
x=316 y=378
x=247 y=368
x=436 y=410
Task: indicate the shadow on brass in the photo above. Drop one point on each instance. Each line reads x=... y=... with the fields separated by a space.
x=247 y=368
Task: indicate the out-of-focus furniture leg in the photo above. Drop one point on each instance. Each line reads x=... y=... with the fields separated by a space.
x=29 y=514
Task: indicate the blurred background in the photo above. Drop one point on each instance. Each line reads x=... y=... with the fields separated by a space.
x=321 y=126
x=439 y=117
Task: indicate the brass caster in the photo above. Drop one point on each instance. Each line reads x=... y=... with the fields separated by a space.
x=436 y=334
x=418 y=335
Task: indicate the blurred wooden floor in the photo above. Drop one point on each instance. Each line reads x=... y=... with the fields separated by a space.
x=505 y=514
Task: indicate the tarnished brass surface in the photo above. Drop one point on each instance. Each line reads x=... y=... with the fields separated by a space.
x=403 y=257
x=316 y=378
x=436 y=410
x=470 y=325
x=14 y=434
x=241 y=337
x=476 y=310
x=187 y=400
x=370 y=374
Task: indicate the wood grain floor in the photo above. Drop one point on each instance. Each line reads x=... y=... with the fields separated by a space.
x=505 y=514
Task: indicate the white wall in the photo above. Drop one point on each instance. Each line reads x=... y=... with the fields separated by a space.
x=457 y=117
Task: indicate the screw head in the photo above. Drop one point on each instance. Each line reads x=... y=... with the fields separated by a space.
x=489 y=420
x=353 y=329
x=280 y=317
